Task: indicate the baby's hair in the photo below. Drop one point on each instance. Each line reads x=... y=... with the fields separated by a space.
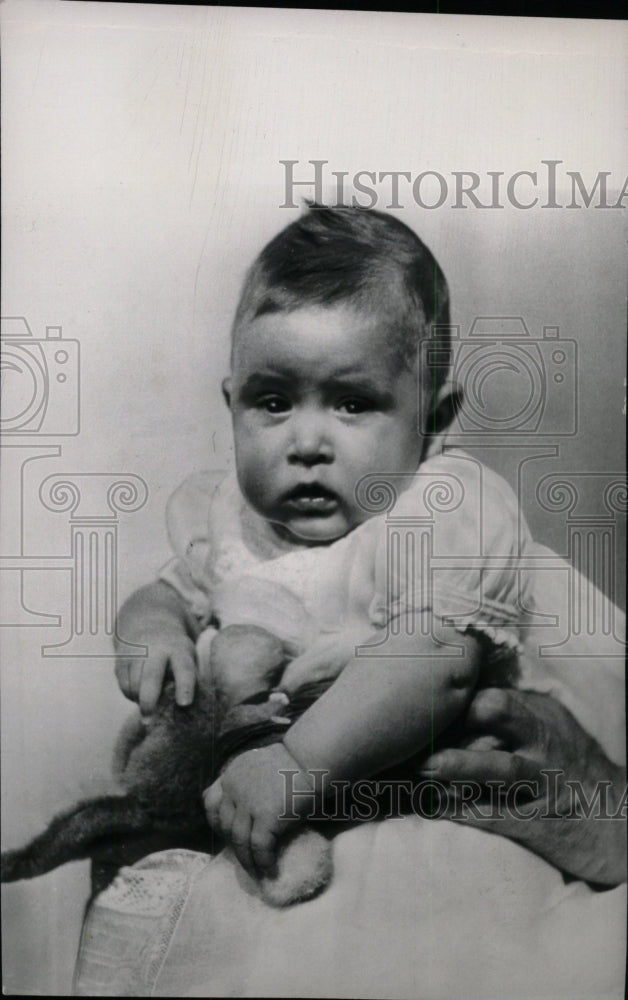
x=358 y=256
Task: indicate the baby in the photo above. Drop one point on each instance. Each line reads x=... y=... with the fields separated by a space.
x=330 y=387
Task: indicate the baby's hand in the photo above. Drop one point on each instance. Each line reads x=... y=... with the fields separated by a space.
x=142 y=680
x=248 y=806
x=324 y=660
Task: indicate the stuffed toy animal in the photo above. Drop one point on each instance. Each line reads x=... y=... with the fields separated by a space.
x=164 y=767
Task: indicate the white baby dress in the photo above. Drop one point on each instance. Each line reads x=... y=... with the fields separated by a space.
x=447 y=538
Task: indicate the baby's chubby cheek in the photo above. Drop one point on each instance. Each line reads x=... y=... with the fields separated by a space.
x=258 y=481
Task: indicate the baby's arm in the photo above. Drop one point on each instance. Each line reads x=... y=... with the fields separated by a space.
x=157 y=617
x=324 y=659
x=384 y=708
x=381 y=710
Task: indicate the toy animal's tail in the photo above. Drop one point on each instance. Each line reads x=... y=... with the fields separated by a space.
x=76 y=834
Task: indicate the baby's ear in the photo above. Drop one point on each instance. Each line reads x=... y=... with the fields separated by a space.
x=439 y=416
x=226 y=391
x=444 y=408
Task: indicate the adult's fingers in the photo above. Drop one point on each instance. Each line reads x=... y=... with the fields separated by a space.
x=479 y=766
x=480 y=741
x=506 y=713
x=183 y=667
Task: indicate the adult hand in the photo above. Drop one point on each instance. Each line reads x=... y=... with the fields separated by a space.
x=544 y=774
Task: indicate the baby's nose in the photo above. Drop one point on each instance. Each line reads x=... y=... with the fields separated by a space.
x=310 y=442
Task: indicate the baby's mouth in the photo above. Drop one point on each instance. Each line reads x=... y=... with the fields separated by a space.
x=311 y=498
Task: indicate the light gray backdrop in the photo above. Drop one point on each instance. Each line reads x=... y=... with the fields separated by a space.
x=141 y=149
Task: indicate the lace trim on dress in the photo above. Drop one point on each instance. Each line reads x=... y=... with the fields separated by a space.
x=129 y=927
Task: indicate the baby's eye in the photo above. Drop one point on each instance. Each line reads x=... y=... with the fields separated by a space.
x=274 y=404
x=355 y=405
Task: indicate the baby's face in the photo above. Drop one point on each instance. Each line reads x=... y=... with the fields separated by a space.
x=319 y=398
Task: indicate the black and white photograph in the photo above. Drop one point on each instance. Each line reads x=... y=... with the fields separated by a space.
x=313 y=524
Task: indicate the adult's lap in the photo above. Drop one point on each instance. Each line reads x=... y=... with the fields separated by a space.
x=416 y=908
